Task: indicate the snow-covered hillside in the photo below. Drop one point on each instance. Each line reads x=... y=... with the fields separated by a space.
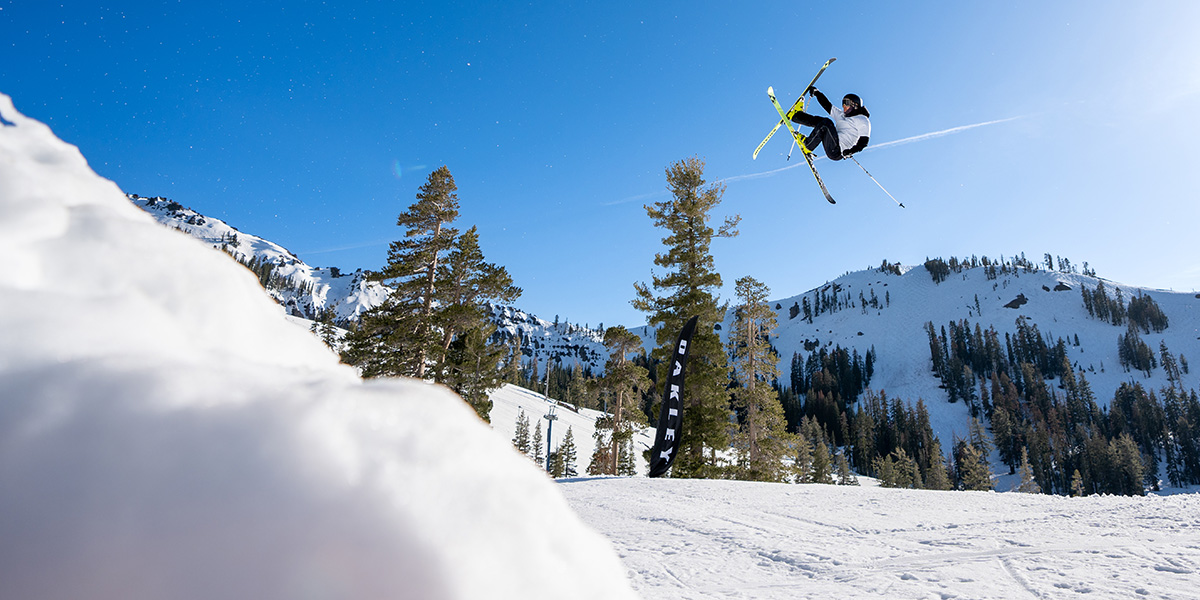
x=166 y=433
x=894 y=326
x=510 y=400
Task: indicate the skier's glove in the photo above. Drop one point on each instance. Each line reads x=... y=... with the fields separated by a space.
x=847 y=153
x=857 y=147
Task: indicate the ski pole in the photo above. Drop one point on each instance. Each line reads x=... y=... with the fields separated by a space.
x=876 y=181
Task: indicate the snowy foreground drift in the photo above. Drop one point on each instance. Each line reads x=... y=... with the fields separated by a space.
x=724 y=539
x=166 y=433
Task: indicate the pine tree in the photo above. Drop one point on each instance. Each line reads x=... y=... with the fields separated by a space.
x=399 y=336
x=521 y=439
x=512 y=369
x=1128 y=468
x=972 y=468
x=845 y=475
x=324 y=329
x=533 y=378
x=864 y=439
x=899 y=470
x=687 y=289
x=433 y=325
x=622 y=381
x=979 y=438
x=471 y=365
x=1170 y=367
x=822 y=464
x=580 y=391
x=1077 y=488
x=763 y=438
x=885 y=471
x=936 y=476
x=468 y=361
x=537 y=444
x=377 y=344
x=1028 y=484
x=626 y=463
x=473 y=368
x=602 y=457
x=1006 y=440
x=803 y=465
x=566 y=453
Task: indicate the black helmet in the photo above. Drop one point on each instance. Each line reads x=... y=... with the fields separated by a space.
x=853 y=100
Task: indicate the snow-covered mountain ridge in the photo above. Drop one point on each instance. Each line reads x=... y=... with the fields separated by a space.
x=315 y=293
x=894 y=323
x=567 y=343
x=305 y=291
x=886 y=310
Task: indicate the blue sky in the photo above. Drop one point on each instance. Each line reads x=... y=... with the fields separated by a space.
x=1062 y=127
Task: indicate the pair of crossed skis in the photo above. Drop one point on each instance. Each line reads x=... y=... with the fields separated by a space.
x=798 y=105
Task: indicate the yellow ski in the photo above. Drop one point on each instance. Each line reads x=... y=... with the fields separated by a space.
x=796 y=106
x=800 y=140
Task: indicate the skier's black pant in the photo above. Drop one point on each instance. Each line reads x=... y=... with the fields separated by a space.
x=824 y=133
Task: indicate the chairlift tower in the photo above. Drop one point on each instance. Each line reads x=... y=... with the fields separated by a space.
x=550 y=416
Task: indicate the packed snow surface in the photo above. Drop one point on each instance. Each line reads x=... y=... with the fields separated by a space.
x=166 y=433
x=729 y=539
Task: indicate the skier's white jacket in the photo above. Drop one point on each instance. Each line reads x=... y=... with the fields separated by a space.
x=849 y=129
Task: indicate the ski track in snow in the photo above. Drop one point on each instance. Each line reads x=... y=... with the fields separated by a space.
x=720 y=539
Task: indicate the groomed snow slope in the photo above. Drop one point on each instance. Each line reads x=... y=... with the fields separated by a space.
x=689 y=539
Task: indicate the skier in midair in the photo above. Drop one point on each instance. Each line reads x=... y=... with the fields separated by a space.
x=846 y=131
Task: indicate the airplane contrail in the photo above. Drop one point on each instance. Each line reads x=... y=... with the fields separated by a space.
x=907 y=140
x=347 y=247
x=936 y=134
x=636 y=198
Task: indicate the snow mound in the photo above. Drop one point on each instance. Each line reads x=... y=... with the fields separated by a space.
x=166 y=433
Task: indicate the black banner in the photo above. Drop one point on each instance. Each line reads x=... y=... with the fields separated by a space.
x=670 y=416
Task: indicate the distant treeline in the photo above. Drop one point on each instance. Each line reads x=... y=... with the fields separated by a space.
x=1073 y=445
x=830 y=381
x=1142 y=312
x=940 y=269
